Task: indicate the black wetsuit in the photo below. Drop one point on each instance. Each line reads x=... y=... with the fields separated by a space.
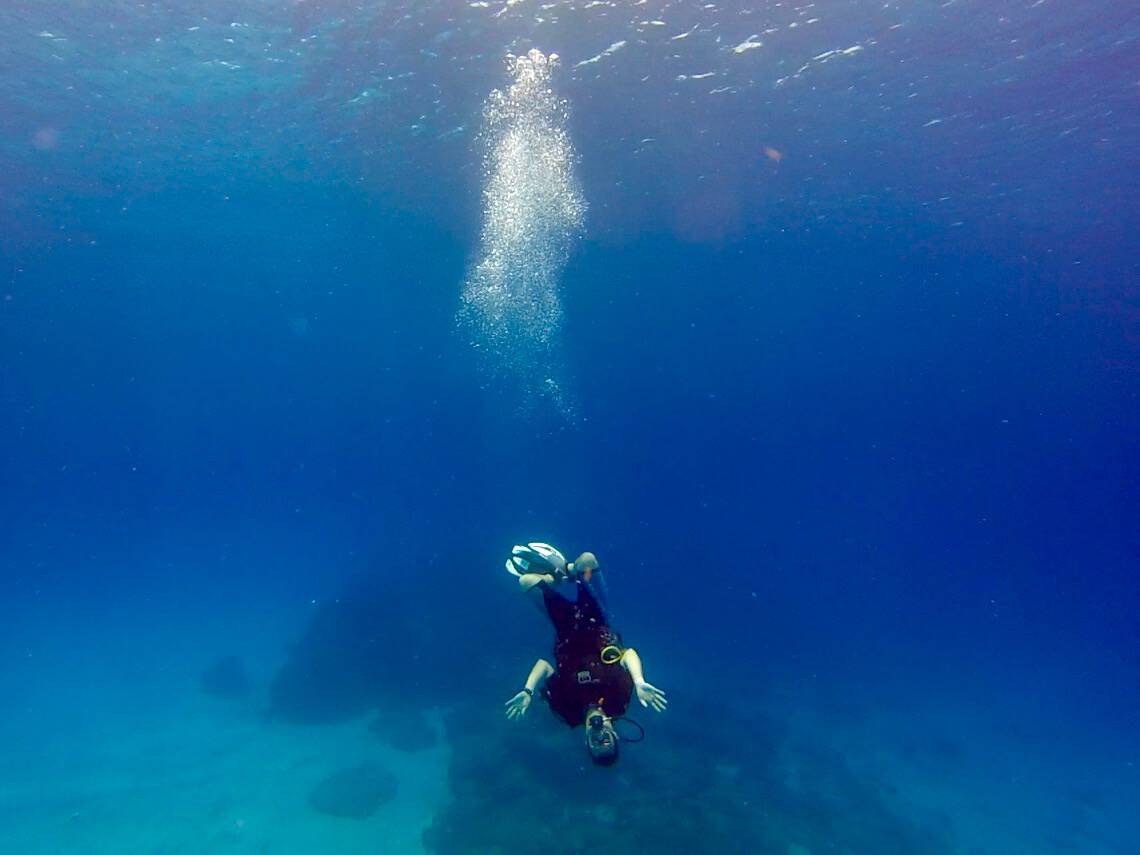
x=580 y=678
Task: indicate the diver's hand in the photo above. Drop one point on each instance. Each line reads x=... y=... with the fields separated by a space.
x=651 y=696
x=518 y=705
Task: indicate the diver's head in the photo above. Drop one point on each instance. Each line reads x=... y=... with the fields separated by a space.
x=601 y=738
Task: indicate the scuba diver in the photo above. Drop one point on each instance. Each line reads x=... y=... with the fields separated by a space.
x=594 y=676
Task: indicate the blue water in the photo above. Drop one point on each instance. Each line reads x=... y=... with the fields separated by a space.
x=837 y=373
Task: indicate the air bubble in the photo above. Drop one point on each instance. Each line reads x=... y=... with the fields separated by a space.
x=533 y=212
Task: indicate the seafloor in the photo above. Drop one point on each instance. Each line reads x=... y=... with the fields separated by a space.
x=340 y=727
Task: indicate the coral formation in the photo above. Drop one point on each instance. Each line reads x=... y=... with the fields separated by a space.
x=378 y=646
x=737 y=784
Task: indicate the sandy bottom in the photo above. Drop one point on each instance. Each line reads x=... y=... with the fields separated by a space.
x=216 y=782
x=1007 y=773
x=110 y=746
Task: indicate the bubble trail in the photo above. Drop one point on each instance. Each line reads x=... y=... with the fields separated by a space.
x=533 y=211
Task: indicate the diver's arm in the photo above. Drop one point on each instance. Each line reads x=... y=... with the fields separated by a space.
x=650 y=696
x=518 y=705
x=538 y=675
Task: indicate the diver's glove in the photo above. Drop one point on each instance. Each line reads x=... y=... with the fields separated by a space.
x=519 y=704
x=651 y=696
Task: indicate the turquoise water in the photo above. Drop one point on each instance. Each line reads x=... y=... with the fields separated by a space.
x=816 y=322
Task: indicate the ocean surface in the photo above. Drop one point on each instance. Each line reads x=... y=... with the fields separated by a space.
x=819 y=323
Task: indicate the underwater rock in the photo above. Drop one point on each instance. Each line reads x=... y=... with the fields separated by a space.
x=371 y=647
x=226 y=678
x=669 y=794
x=347 y=659
x=354 y=793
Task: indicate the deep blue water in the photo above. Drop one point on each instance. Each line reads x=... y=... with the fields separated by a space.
x=848 y=349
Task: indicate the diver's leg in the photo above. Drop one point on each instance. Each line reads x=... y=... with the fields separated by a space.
x=597 y=583
x=533 y=585
x=538 y=587
x=551 y=603
x=591 y=598
x=559 y=609
x=530 y=581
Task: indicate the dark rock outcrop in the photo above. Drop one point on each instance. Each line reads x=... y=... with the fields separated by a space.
x=730 y=784
x=395 y=645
